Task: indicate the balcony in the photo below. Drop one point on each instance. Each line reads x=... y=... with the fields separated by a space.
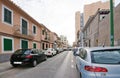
x=23 y=33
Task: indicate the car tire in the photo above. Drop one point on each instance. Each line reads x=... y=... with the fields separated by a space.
x=34 y=63
x=46 y=58
x=80 y=75
x=76 y=67
x=52 y=55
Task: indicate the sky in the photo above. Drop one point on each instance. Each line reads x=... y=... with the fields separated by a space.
x=56 y=15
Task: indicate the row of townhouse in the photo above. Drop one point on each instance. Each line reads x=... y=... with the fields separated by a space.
x=97 y=29
x=19 y=30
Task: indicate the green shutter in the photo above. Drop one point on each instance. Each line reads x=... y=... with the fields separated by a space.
x=24 y=44
x=24 y=27
x=7 y=44
x=34 y=45
x=7 y=16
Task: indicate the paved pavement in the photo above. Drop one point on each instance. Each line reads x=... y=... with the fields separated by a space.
x=5 y=66
x=59 y=66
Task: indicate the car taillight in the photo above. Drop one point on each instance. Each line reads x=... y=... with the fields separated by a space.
x=29 y=56
x=95 y=69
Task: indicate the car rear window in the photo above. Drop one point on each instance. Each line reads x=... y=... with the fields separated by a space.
x=106 y=56
x=23 y=51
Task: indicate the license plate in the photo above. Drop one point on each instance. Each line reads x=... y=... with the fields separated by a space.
x=17 y=62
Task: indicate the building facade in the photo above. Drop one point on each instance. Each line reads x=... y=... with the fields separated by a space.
x=77 y=27
x=47 y=38
x=97 y=28
x=90 y=9
x=64 y=41
x=81 y=27
x=19 y=30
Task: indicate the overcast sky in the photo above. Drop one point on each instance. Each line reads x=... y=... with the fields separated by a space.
x=57 y=15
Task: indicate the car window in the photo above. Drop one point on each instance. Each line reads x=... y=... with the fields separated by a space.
x=35 y=51
x=41 y=51
x=27 y=52
x=23 y=51
x=106 y=56
x=83 y=53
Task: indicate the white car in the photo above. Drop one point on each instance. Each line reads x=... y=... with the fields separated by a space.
x=50 y=52
x=99 y=62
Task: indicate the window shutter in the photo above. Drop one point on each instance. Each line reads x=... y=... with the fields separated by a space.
x=7 y=44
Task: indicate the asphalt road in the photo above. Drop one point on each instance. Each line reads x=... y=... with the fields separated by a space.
x=60 y=66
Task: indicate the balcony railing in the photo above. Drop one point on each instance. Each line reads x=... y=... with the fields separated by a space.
x=23 y=32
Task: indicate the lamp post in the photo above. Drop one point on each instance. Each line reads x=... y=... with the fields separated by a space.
x=111 y=24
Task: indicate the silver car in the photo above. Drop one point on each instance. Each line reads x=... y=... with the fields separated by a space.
x=99 y=62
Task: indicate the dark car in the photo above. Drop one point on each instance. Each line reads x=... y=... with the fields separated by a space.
x=27 y=56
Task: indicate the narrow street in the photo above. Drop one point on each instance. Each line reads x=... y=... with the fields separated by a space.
x=59 y=66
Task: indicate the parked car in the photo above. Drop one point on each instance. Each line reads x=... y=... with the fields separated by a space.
x=61 y=49
x=57 y=51
x=76 y=51
x=27 y=56
x=50 y=52
x=101 y=62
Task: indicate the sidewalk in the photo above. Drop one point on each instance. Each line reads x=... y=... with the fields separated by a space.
x=5 y=66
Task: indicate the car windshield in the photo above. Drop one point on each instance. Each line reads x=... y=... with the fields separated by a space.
x=106 y=56
x=23 y=51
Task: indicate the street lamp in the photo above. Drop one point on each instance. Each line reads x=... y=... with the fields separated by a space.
x=111 y=24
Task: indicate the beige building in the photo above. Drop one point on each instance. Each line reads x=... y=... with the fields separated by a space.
x=19 y=30
x=46 y=38
x=90 y=9
x=64 y=41
x=55 y=39
x=97 y=28
x=77 y=26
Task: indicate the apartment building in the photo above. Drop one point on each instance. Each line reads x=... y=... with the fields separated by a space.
x=81 y=27
x=46 y=39
x=77 y=27
x=19 y=30
x=97 y=28
x=90 y=9
x=64 y=41
x=56 y=40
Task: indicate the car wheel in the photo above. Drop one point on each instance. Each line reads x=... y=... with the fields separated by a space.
x=46 y=58
x=76 y=67
x=80 y=75
x=52 y=55
x=34 y=63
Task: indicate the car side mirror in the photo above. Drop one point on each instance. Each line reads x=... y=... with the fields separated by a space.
x=77 y=54
x=32 y=52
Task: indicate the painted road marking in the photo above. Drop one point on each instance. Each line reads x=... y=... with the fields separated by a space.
x=72 y=66
x=72 y=61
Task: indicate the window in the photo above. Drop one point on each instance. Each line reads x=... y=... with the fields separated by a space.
x=46 y=45
x=83 y=54
x=118 y=42
x=7 y=44
x=106 y=56
x=34 y=29
x=24 y=27
x=102 y=16
x=7 y=15
x=43 y=46
x=34 y=45
x=43 y=31
x=23 y=51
